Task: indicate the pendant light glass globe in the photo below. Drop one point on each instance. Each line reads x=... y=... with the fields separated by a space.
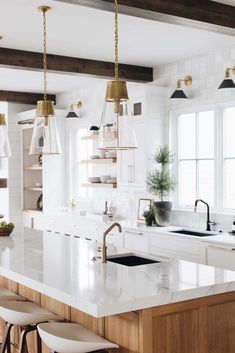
x=5 y=151
x=116 y=127
x=45 y=138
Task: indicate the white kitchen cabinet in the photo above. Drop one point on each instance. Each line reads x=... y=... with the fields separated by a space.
x=175 y=246
x=136 y=241
x=220 y=256
x=147 y=123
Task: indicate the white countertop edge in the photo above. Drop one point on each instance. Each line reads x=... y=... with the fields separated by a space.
x=109 y=309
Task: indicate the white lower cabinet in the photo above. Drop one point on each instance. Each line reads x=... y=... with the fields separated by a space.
x=220 y=256
x=135 y=240
x=173 y=246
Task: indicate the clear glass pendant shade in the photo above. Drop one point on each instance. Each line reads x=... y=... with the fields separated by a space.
x=5 y=150
x=45 y=137
x=116 y=128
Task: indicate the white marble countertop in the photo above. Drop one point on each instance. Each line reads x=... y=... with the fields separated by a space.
x=132 y=225
x=61 y=267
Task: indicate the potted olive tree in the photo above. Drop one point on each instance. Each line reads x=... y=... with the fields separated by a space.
x=161 y=183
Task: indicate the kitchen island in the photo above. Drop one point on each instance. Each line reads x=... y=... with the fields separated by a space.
x=167 y=307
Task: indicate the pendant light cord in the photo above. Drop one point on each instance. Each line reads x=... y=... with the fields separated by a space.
x=45 y=54
x=116 y=39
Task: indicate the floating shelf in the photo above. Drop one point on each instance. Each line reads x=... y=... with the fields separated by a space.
x=100 y=161
x=33 y=168
x=100 y=185
x=33 y=189
x=31 y=210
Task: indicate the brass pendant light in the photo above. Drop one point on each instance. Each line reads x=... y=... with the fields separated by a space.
x=116 y=132
x=5 y=150
x=45 y=137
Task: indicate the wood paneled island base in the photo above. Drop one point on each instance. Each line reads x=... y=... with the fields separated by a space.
x=204 y=325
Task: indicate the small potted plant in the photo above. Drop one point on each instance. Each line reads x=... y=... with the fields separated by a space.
x=149 y=217
x=161 y=183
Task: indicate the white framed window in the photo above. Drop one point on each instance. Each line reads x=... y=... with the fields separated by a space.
x=229 y=158
x=194 y=151
x=203 y=143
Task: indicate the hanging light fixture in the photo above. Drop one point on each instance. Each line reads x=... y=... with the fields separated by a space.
x=228 y=82
x=5 y=150
x=179 y=93
x=116 y=131
x=45 y=137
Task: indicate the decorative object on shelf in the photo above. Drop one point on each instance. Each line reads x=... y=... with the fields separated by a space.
x=94 y=130
x=161 y=183
x=179 y=93
x=71 y=113
x=105 y=178
x=144 y=205
x=228 y=82
x=40 y=160
x=5 y=150
x=26 y=122
x=40 y=203
x=116 y=114
x=45 y=134
x=6 y=228
x=94 y=180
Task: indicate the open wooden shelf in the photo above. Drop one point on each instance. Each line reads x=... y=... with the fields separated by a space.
x=31 y=210
x=100 y=161
x=100 y=185
x=33 y=168
x=33 y=189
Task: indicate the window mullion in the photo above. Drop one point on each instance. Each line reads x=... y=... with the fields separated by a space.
x=197 y=156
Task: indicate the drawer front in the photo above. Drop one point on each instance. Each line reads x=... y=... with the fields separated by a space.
x=223 y=257
x=135 y=241
x=174 y=245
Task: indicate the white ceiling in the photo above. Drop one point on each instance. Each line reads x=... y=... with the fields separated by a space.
x=88 y=33
x=32 y=81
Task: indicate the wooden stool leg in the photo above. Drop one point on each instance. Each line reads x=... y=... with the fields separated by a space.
x=6 y=339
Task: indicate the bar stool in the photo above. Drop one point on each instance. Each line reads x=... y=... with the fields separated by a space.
x=26 y=315
x=6 y=294
x=72 y=338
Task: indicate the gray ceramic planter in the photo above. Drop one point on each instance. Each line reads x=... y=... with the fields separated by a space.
x=162 y=213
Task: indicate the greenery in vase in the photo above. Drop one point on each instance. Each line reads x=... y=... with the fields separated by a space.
x=160 y=181
x=149 y=216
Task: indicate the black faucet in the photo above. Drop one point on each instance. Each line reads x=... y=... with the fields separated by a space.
x=208 y=222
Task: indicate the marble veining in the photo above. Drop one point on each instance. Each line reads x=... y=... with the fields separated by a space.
x=62 y=268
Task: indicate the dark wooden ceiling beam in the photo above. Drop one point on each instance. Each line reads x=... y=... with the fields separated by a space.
x=23 y=97
x=204 y=14
x=63 y=64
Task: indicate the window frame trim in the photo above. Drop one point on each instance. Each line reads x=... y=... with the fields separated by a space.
x=219 y=170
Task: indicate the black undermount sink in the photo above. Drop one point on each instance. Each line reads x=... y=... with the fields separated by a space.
x=132 y=260
x=194 y=233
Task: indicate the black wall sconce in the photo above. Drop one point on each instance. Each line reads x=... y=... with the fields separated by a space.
x=179 y=93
